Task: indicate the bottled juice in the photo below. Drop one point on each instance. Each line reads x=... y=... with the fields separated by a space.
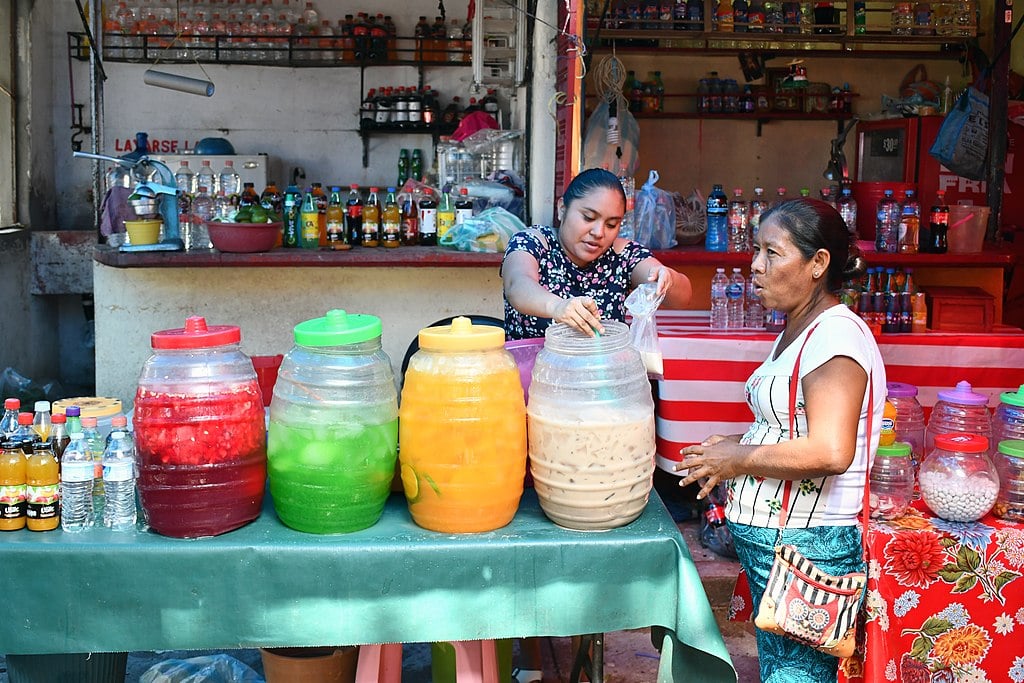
x=309 y=236
x=336 y=236
x=41 y=421
x=320 y=201
x=445 y=215
x=42 y=491
x=391 y=221
x=463 y=430
x=888 y=435
x=371 y=220
x=12 y=487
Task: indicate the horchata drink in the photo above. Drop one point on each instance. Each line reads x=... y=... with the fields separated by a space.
x=592 y=470
x=333 y=437
x=463 y=430
x=591 y=427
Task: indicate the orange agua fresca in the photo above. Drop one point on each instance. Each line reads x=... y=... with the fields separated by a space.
x=462 y=430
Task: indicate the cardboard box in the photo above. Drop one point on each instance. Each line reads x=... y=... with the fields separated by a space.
x=960 y=309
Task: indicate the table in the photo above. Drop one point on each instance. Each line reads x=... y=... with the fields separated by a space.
x=702 y=392
x=945 y=601
x=265 y=585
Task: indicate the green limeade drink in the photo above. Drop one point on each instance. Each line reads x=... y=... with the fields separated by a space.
x=331 y=479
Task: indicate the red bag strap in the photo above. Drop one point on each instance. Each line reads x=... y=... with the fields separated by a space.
x=787 y=489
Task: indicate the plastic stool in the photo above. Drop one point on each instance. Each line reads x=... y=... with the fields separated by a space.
x=468 y=661
x=379 y=663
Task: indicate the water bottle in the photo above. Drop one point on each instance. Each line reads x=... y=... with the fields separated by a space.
x=958 y=410
x=184 y=178
x=202 y=213
x=734 y=293
x=758 y=205
x=887 y=220
x=847 y=207
x=716 y=238
x=780 y=196
x=909 y=418
x=739 y=239
x=204 y=177
x=119 y=482
x=230 y=181
x=9 y=422
x=1009 y=417
x=753 y=315
x=719 y=314
x=76 y=479
x=94 y=443
x=891 y=481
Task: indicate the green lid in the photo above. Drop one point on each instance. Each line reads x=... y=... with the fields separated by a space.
x=1012 y=447
x=338 y=328
x=898 y=449
x=1014 y=398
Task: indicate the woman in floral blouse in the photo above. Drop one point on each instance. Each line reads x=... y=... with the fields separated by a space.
x=581 y=273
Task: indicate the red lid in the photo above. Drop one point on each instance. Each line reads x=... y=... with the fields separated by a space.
x=196 y=335
x=59 y=419
x=12 y=404
x=25 y=418
x=963 y=443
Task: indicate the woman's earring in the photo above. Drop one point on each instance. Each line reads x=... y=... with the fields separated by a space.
x=816 y=274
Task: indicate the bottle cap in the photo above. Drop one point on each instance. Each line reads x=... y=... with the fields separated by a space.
x=900 y=390
x=119 y=421
x=89 y=422
x=196 y=335
x=25 y=419
x=963 y=395
x=12 y=404
x=897 y=449
x=962 y=442
x=462 y=335
x=1012 y=447
x=59 y=418
x=42 y=406
x=337 y=328
x=1014 y=398
x=73 y=411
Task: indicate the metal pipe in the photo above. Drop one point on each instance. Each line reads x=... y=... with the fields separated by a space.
x=193 y=86
x=96 y=78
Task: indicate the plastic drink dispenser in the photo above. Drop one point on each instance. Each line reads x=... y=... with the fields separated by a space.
x=199 y=432
x=960 y=409
x=591 y=428
x=463 y=430
x=333 y=437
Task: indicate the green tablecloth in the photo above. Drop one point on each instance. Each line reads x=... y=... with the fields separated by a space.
x=268 y=585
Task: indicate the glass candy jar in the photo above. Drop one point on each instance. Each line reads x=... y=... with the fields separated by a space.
x=1010 y=465
x=958 y=481
x=333 y=437
x=891 y=481
x=591 y=428
x=199 y=432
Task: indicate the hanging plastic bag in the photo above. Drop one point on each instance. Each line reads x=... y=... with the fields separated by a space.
x=612 y=138
x=962 y=142
x=642 y=303
x=488 y=232
x=654 y=216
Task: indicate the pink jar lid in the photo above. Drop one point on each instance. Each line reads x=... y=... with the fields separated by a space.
x=962 y=443
x=963 y=395
x=900 y=390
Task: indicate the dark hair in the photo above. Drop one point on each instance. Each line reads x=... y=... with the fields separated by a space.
x=814 y=225
x=589 y=180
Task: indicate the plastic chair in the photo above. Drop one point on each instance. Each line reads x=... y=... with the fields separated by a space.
x=379 y=663
x=476 y=661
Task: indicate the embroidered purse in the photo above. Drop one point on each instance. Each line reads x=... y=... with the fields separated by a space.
x=802 y=602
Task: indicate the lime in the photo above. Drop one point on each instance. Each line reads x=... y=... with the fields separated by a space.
x=259 y=215
x=410 y=483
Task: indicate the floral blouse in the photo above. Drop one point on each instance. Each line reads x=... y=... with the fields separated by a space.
x=606 y=280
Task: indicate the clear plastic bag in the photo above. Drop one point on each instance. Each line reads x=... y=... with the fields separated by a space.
x=218 y=668
x=642 y=303
x=611 y=142
x=487 y=232
x=654 y=215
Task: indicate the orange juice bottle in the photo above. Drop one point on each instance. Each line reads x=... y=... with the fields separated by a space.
x=12 y=487
x=888 y=435
x=43 y=489
x=462 y=430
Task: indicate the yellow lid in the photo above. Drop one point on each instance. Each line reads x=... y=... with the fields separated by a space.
x=92 y=406
x=462 y=335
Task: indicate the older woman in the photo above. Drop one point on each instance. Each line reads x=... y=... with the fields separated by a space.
x=802 y=255
x=583 y=271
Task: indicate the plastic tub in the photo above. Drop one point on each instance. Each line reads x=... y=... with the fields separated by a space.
x=103 y=408
x=967 y=225
x=310 y=664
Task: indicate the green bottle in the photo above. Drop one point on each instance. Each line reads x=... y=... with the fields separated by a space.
x=309 y=220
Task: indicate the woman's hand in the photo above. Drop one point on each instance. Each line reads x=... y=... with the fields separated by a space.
x=581 y=313
x=663 y=276
x=715 y=459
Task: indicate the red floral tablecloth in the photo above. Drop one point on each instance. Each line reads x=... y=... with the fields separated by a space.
x=945 y=602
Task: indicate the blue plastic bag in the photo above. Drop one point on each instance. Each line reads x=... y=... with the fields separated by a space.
x=962 y=142
x=654 y=217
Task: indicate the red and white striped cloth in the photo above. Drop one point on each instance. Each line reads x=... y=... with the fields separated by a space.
x=702 y=392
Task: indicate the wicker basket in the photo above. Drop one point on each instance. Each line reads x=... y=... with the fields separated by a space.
x=691 y=219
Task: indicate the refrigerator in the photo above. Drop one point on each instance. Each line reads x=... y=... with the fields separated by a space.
x=894 y=153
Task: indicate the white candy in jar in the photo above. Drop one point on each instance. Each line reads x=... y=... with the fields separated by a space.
x=958 y=499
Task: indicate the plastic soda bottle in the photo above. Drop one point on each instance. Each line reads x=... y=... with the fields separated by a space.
x=463 y=206
x=719 y=304
x=41 y=420
x=336 y=236
x=445 y=215
x=25 y=434
x=42 y=490
x=716 y=238
x=739 y=238
x=119 y=511
x=76 y=479
x=12 y=487
x=309 y=219
x=320 y=200
x=938 y=226
x=428 y=220
x=74 y=416
x=270 y=198
x=59 y=437
x=910 y=223
x=354 y=215
x=9 y=422
x=371 y=219
x=292 y=217
x=391 y=221
x=410 y=222
x=248 y=197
